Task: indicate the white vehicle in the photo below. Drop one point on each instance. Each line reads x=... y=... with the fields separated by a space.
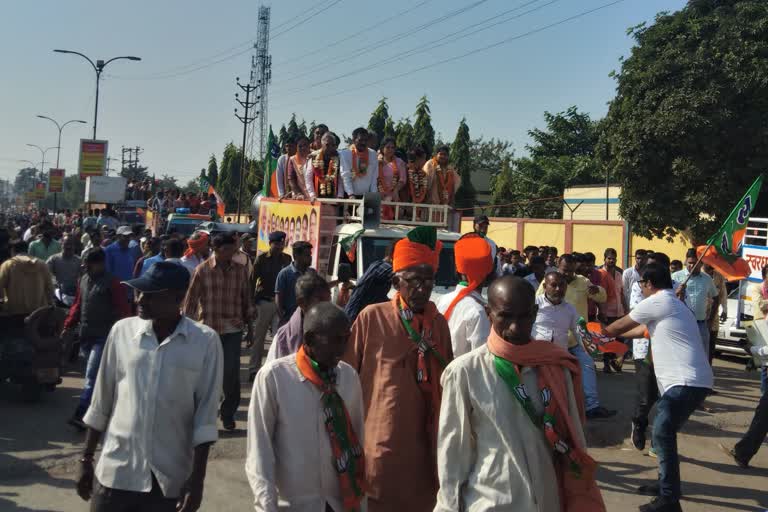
x=105 y=189
x=731 y=335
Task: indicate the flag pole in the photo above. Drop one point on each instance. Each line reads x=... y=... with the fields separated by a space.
x=696 y=265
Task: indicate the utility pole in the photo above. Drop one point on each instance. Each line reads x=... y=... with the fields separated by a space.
x=246 y=120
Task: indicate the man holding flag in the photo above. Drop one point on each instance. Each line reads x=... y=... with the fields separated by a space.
x=270 y=172
x=215 y=201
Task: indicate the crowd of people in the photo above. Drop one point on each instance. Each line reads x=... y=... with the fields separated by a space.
x=371 y=396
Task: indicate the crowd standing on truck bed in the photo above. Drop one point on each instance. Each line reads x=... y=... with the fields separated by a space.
x=374 y=394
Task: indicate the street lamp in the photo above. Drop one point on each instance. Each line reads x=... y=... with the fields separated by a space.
x=98 y=67
x=60 y=128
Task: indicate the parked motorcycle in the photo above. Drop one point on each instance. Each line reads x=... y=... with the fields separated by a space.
x=30 y=351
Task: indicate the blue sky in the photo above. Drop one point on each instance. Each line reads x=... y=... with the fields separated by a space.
x=181 y=120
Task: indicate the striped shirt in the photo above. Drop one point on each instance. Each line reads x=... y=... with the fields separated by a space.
x=219 y=296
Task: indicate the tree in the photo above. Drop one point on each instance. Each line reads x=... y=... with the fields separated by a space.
x=135 y=172
x=25 y=180
x=461 y=159
x=192 y=187
x=562 y=155
x=685 y=135
x=303 y=128
x=423 y=133
x=213 y=171
x=378 y=121
x=389 y=128
x=282 y=138
x=229 y=179
x=489 y=155
x=293 y=129
x=404 y=135
x=168 y=181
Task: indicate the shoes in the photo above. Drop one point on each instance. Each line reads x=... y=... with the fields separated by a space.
x=731 y=453
x=616 y=365
x=649 y=489
x=638 y=436
x=652 y=452
x=600 y=413
x=228 y=424
x=659 y=504
x=607 y=368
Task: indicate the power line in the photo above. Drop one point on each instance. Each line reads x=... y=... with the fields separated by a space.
x=471 y=52
x=307 y=17
x=437 y=43
x=221 y=56
x=324 y=47
x=385 y=42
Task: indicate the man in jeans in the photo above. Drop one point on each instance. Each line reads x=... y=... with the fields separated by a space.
x=100 y=301
x=265 y=270
x=699 y=293
x=682 y=371
x=219 y=296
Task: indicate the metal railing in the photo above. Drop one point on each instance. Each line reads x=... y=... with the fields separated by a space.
x=408 y=214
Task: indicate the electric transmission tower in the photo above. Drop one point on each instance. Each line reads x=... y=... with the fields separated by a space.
x=261 y=77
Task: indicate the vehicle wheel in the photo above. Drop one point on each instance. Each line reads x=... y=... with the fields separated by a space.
x=30 y=391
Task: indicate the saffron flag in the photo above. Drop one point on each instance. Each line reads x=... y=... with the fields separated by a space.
x=221 y=208
x=270 y=167
x=723 y=249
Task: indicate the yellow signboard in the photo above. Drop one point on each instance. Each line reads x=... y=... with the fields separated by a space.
x=93 y=158
x=55 y=180
x=299 y=220
x=40 y=191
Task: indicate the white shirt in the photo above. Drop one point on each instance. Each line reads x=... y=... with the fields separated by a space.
x=628 y=278
x=678 y=354
x=155 y=402
x=639 y=345
x=490 y=455
x=533 y=280
x=289 y=463
x=555 y=321
x=27 y=235
x=191 y=262
x=369 y=182
x=281 y=162
x=469 y=323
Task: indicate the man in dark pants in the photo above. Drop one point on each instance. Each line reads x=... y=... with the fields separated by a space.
x=748 y=446
x=682 y=372
x=155 y=402
x=220 y=297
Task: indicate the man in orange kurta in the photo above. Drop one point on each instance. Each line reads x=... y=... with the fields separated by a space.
x=400 y=349
x=444 y=180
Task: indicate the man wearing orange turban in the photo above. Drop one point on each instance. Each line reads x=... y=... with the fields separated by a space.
x=197 y=251
x=464 y=308
x=399 y=349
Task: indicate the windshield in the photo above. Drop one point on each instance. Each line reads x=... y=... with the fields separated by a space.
x=131 y=218
x=185 y=228
x=375 y=248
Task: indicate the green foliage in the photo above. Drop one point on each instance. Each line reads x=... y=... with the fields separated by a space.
x=303 y=128
x=229 y=177
x=135 y=172
x=423 y=133
x=562 y=155
x=168 y=181
x=213 y=171
x=404 y=134
x=389 y=128
x=282 y=137
x=686 y=132
x=192 y=186
x=293 y=129
x=379 y=118
x=462 y=161
x=25 y=180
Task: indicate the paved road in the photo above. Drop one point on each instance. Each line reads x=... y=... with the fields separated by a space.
x=38 y=451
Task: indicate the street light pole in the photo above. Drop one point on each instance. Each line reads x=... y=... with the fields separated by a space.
x=42 y=157
x=98 y=67
x=58 y=146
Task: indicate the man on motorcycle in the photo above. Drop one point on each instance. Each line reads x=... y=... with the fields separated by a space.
x=100 y=302
x=65 y=268
x=25 y=282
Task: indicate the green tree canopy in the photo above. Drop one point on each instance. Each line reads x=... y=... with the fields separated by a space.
x=229 y=177
x=379 y=118
x=461 y=158
x=423 y=133
x=282 y=137
x=213 y=171
x=404 y=135
x=686 y=133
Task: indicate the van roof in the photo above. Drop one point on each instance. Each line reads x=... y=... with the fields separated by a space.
x=391 y=231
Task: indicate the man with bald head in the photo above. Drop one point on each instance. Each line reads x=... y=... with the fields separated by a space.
x=511 y=419
x=400 y=349
x=305 y=423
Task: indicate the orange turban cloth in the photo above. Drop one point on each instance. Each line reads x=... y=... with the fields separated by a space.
x=473 y=259
x=420 y=247
x=196 y=245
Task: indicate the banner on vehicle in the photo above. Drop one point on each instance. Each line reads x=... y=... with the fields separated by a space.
x=299 y=220
x=93 y=158
x=55 y=180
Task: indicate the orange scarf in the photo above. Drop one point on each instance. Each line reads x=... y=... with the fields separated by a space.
x=361 y=160
x=430 y=365
x=349 y=460
x=578 y=493
x=196 y=245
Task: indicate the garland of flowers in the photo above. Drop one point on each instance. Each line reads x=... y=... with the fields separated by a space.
x=446 y=180
x=395 y=176
x=362 y=161
x=326 y=177
x=417 y=182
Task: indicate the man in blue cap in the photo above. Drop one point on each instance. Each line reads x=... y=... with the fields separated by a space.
x=265 y=270
x=155 y=401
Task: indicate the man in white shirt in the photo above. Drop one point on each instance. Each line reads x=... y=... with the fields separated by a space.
x=464 y=308
x=155 y=401
x=682 y=372
x=282 y=179
x=198 y=250
x=632 y=274
x=359 y=166
x=538 y=267
x=305 y=424
x=492 y=451
x=556 y=318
